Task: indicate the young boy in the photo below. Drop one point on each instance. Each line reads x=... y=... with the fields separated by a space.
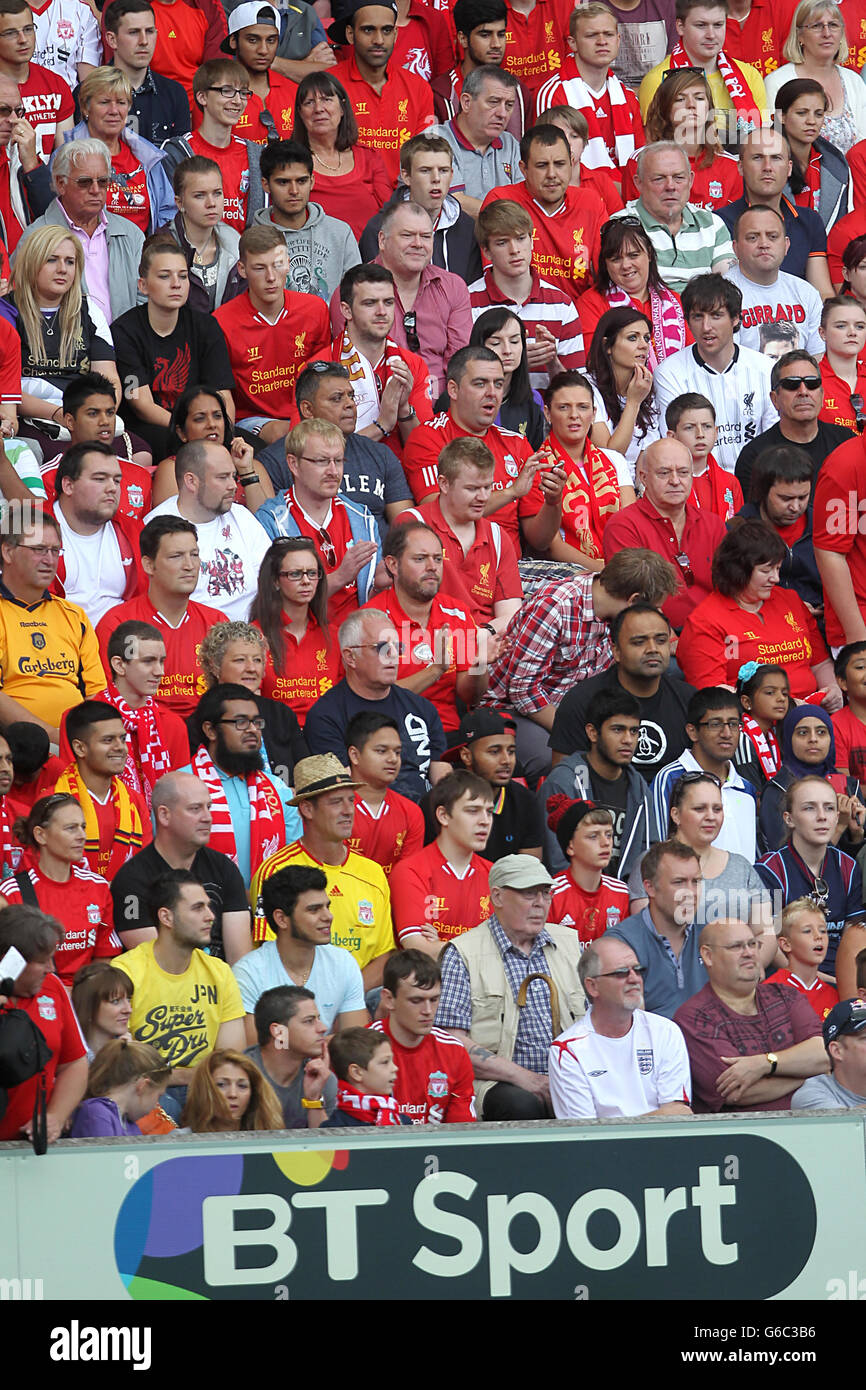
x=387 y=826
x=584 y=897
x=321 y=249
x=253 y=38
x=849 y=724
x=691 y=419
x=803 y=941
x=443 y=890
x=90 y=413
x=363 y=1063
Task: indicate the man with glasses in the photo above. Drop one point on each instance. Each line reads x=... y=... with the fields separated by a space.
x=49 y=656
x=343 y=532
x=797 y=392
x=665 y=521
x=750 y=1045
x=45 y=96
x=532 y=968
x=713 y=730
x=594 y=1074
x=369 y=647
x=253 y=811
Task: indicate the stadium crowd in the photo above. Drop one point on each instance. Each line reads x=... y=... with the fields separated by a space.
x=432 y=617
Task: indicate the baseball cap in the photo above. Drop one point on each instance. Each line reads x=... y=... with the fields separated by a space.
x=847 y=1017
x=519 y=871
x=344 y=10
x=480 y=723
x=245 y=16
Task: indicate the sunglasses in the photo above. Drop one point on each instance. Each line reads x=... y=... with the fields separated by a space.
x=683 y=562
x=820 y=894
x=689 y=777
x=622 y=973
x=329 y=551
x=857 y=406
x=811 y=383
x=410 y=328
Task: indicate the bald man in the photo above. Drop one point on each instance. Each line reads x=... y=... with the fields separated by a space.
x=663 y=520
x=182 y=826
x=751 y=1045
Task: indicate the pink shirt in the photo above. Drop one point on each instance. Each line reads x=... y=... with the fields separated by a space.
x=95 y=260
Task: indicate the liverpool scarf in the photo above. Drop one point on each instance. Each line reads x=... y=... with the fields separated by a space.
x=267 y=822
x=668 y=320
x=10 y=853
x=148 y=758
x=597 y=154
x=735 y=84
x=766 y=745
x=105 y=859
x=375 y=378
x=373 y=1110
x=591 y=494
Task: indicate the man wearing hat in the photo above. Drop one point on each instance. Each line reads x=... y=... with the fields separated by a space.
x=389 y=106
x=253 y=38
x=525 y=972
x=357 y=888
x=486 y=746
x=845 y=1041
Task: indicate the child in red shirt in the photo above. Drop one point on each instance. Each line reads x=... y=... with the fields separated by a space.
x=363 y=1063
x=584 y=897
x=691 y=419
x=849 y=724
x=388 y=827
x=803 y=941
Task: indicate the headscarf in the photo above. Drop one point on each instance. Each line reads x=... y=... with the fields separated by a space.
x=789 y=724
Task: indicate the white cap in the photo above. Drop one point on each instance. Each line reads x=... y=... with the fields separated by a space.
x=250 y=13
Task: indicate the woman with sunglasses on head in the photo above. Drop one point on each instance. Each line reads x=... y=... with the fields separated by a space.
x=810 y=865
x=522 y=409
x=628 y=277
x=291 y=610
x=200 y=413
x=817 y=47
x=352 y=182
x=820 y=176
x=809 y=748
x=682 y=111
x=618 y=367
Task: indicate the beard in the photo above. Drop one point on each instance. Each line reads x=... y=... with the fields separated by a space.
x=236 y=764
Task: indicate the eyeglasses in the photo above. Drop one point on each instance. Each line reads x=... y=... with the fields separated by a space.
x=741 y=946
x=793 y=383
x=297 y=575
x=377 y=647
x=622 y=973
x=529 y=895
x=319 y=463
x=683 y=562
x=7 y=111
x=243 y=721
x=410 y=328
x=716 y=725
x=101 y=183
x=857 y=406
x=229 y=92
x=332 y=368
x=329 y=550
x=44 y=551
x=832 y=26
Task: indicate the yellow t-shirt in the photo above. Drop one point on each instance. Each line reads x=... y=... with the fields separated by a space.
x=49 y=656
x=359 y=897
x=180 y=1015
x=721 y=100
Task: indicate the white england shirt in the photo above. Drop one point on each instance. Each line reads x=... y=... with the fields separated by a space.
x=595 y=1078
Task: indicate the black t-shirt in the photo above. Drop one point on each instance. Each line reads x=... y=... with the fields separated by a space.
x=662 y=726
x=131 y=885
x=422 y=737
x=196 y=351
x=613 y=797
x=828 y=438
x=519 y=825
x=42 y=359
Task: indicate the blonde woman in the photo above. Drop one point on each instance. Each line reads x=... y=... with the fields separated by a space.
x=817 y=47
x=140 y=189
x=62 y=332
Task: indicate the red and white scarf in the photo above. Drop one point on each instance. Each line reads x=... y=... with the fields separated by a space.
x=148 y=757
x=668 y=320
x=597 y=153
x=267 y=822
x=373 y=1110
x=766 y=745
x=375 y=376
x=735 y=84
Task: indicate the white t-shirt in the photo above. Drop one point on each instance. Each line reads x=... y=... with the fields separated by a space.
x=788 y=300
x=592 y=1077
x=66 y=34
x=638 y=441
x=232 y=548
x=740 y=395
x=335 y=979
x=95 y=574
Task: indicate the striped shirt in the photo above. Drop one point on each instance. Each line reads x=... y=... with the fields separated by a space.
x=545 y=304
x=701 y=243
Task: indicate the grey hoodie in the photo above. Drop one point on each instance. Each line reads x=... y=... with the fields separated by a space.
x=571 y=776
x=320 y=252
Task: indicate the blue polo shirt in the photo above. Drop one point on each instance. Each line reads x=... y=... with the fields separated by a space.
x=668 y=982
x=803 y=228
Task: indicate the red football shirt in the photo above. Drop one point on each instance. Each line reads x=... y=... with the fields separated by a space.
x=83 y=906
x=838 y=525
x=183 y=682
x=234 y=165
x=54 y=1016
x=759 y=38
x=565 y=243
x=535 y=44
x=46 y=99
x=589 y=913
x=850 y=735
x=181 y=34
x=338 y=532
x=128 y=196
x=435 y=1081
x=387 y=119
x=136 y=488
x=311 y=667
x=425 y=891
x=820 y=995
x=395 y=831
x=266 y=357
x=482 y=577
x=280 y=102
x=837 y=408
x=418 y=646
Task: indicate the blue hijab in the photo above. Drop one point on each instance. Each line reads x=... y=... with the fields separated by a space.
x=789 y=724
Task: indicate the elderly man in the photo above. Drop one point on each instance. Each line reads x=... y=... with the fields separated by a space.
x=749 y=1044
x=797 y=392
x=664 y=520
x=433 y=317
x=504 y=957
x=80 y=173
x=181 y=809
x=593 y=1073
x=369 y=647
x=485 y=153
x=844 y=1032
x=343 y=532
x=765 y=163
x=231 y=542
x=688 y=241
